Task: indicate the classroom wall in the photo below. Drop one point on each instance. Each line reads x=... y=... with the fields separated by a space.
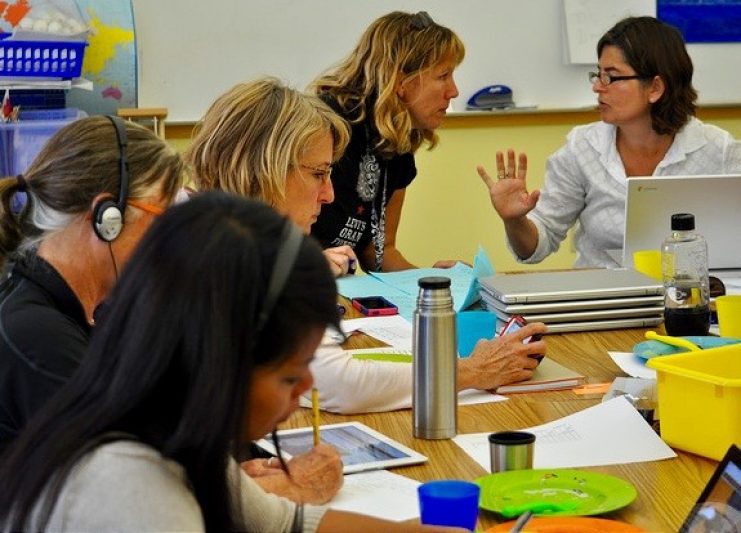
x=190 y=51
x=447 y=213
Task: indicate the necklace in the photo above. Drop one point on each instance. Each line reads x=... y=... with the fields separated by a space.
x=369 y=177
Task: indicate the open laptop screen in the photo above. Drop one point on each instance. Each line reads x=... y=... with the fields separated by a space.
x=714 y=200
x=718 y=509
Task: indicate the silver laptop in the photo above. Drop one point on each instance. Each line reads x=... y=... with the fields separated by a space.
x=569 y=285
x=714 y=200
x=571 y=305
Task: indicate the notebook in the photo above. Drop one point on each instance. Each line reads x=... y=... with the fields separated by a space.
x=549 y=375
x=569 y=285
x=719 y=506
x=714 y=200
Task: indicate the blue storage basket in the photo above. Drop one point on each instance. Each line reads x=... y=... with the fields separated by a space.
x=20 y=142
x=41 y=59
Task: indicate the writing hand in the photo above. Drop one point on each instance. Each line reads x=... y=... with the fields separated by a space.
x=508 y=193
x=342 y=260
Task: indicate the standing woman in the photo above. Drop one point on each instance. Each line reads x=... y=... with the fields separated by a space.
x=394 y=89
x=206 y=346
x=646 y=102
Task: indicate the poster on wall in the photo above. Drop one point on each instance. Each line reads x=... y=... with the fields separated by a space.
x=703 y=21
x=110 y=57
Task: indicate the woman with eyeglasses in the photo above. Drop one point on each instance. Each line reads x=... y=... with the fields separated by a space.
x=647 y=105
x=394 y=89
x=69 y=224
x=266 y=141
x=195 y=357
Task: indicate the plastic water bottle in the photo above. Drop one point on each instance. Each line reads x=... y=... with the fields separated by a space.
x=434 y=361
x=684 y=261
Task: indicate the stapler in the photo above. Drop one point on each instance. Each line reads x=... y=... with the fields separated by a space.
x=492 y=97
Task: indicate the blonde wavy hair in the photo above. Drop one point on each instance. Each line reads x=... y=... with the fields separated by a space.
x=394 y=49
x=255 y=133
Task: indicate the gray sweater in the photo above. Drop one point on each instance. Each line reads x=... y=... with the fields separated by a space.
x=129 y=486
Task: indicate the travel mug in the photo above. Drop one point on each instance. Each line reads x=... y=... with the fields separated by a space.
x=511 y=450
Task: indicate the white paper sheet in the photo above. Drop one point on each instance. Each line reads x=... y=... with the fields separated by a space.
x=394 y=330
x=632 y=365
x=473 y=397
x=380 y=493
x=609 y=433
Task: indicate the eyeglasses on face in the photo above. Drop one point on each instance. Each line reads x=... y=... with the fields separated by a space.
x=322 y=174
x=607 y=79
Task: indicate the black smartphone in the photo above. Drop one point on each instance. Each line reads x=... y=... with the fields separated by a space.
x=374 y=306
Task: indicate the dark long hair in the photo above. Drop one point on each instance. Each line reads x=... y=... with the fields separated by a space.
x=172 y=360
x=655 y=48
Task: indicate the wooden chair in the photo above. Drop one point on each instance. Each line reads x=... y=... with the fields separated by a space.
x=153 y=117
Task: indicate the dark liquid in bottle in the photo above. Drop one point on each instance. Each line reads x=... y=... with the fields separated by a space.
x=687 y=321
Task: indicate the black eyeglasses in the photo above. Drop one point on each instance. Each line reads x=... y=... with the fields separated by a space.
x=607 y=79
x=422 y=20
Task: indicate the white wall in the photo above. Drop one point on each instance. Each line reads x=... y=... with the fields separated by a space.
x=191 y=51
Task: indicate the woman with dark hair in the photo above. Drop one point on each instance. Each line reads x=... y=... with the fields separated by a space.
x=206 y=346
x=647 y=106
x=394 y=89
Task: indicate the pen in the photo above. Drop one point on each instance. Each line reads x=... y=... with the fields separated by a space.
x=351 y=266
x=524 y=519
x=315 y=415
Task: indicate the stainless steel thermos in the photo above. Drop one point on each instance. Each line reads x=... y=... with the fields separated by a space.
x=434 y=361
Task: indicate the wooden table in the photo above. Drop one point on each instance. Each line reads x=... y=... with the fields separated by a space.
x=666 y=489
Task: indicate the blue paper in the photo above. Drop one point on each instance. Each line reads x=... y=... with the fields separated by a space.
x=401 y=287
x=473 y=326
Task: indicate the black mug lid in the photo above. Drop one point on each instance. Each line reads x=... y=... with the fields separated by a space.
x=434 y=282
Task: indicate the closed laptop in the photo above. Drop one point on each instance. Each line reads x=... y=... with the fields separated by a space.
x=569 y=285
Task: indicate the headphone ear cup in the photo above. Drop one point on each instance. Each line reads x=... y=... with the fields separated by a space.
x=107 y=220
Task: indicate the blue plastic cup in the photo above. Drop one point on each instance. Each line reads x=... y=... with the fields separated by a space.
x=449 y=503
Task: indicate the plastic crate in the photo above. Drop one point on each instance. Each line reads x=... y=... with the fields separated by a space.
x=41 y=59
x=700 y=399
x=21 y=141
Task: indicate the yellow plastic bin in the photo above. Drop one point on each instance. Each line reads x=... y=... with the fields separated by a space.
x=700 y=399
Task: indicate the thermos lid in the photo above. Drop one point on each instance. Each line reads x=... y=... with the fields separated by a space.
x=434 y=282
x=683 y=222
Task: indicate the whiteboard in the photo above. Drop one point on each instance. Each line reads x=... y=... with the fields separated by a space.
x=191 y=51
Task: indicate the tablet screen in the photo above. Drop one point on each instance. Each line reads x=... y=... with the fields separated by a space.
x=718 y=509
x=361 y=447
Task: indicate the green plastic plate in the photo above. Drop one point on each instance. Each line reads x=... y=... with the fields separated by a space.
x=554 y=492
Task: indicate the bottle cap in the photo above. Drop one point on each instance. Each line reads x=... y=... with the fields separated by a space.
x=434 y=282
x=683 y=222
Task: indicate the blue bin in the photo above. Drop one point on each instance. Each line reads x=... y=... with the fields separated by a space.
x=41 y=59
x=20 y=142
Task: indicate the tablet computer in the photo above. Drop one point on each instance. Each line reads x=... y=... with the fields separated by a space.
x=360 y=447
x=718 y=509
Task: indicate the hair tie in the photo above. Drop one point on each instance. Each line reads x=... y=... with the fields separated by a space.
x=21 y=181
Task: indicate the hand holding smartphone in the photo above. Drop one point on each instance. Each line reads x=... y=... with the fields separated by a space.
x=513 y=324
x=374 y=306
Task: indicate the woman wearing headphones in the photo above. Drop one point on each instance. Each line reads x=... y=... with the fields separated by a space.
x=123 y=445
x=90 y=195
